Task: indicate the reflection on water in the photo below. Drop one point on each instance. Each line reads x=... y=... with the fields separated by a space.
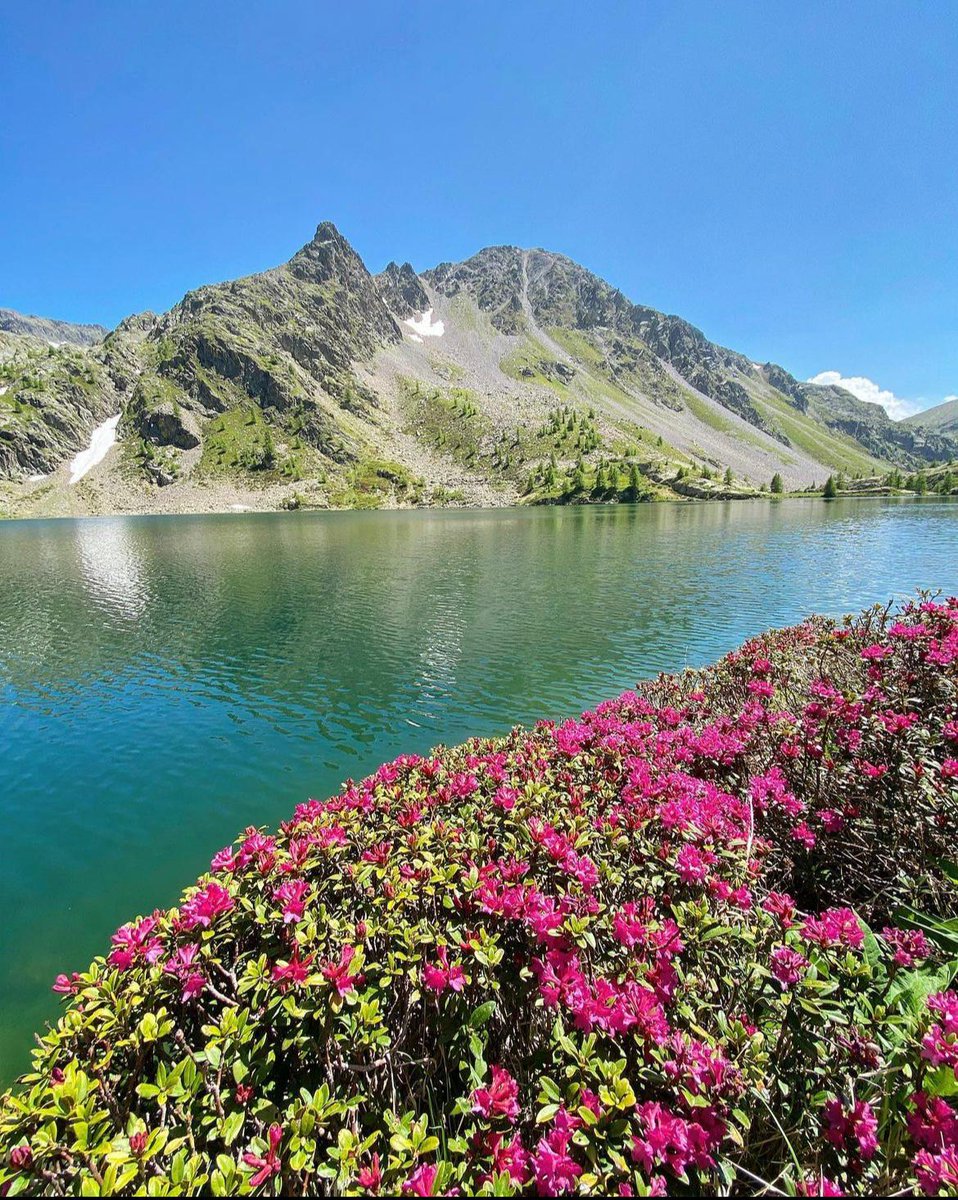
x=165 y=681
x=111 y=567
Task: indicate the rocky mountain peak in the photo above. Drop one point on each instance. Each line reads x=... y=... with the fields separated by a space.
x=327 y=256
x=402 y=290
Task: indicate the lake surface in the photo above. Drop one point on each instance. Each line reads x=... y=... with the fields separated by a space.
x=166 y=681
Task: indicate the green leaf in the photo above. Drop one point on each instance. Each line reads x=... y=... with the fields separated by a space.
x=232 y=1126
x=479 y=1016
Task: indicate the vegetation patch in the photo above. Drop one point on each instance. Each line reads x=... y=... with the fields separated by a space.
x=242 y=439
x=814 y=439
x=531 y=362
x=373 y=483
x=699 y=941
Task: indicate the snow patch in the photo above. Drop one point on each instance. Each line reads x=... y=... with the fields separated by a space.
x=101 y=440
x=35 y=478
x=425 y=326
x=414 y=337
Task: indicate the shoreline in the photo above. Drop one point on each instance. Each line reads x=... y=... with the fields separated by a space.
x=248 y=511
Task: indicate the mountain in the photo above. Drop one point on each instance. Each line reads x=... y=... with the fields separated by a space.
x=516 y=374
x=57 y=333
x=943 y=418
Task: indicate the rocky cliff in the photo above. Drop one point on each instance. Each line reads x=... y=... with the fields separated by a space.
x=516 y=373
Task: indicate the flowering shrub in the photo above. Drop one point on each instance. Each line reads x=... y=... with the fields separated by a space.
x=695 y=942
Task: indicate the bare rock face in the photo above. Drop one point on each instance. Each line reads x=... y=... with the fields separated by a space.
x=402 y=291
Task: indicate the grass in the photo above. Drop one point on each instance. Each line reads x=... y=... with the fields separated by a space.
x=242 y=440
x=372 y=482
x=529 y=362
x=831 y=449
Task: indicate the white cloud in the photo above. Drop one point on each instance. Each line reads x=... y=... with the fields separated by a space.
x=867 y=389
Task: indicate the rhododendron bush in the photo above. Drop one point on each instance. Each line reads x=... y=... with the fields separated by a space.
x=699 y=941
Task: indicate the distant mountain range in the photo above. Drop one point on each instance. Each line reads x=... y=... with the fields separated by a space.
x=515 y=374
x=58 y=333
x=943 y=418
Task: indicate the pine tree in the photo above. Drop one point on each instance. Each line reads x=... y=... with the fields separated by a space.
x=729 y=477
x=829 y=491
x=777 y=486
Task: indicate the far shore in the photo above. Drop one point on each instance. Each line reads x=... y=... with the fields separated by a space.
x=252 y=505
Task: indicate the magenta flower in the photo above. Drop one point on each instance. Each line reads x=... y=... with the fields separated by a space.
x=370 y=1178
x=834 y=927
x=207 y=904
x=422 y=1182
x=337 y=973
x=270 y=1165
x=294 y=972
x=788 y=966
x=782 y=906
x=555 y=1171
x=937 y=1173
x=853 y=1130
x=21 y=1157
x=441 y=976
x=135 y=943
x=910 y=945
x=500 y=1098
x=67 y=985
x=291 y=897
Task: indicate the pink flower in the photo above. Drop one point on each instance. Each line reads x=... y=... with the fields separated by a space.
x=67 y=985
x=802 y=833
x=135 y=943
x=934 y=1124
x=21 y=1158
x=674 y=1142
x=370 y=1178
x=500 y=1099
x=223 y=860
x=835 y=927
x=441 y=976
x=270 y=1165
x=205 y=906
x=181 y=965
x=294 y=972
x=788 y=966
x=937 y=1173
x=510 y=1158
x=819 y=1185
x=782 y=906
x=692 y=864
x=555 y=1170
x=138 y=1142
x=949 y=768
x=910 y=945
x=338 y=973
x=852 y=1130
x=291 y=897
x=422 y=1182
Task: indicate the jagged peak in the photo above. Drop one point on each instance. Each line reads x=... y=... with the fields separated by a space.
x=327 y=255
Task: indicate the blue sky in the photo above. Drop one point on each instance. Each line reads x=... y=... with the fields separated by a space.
x=783 y=175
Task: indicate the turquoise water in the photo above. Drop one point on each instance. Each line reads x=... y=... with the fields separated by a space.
x=166 y=681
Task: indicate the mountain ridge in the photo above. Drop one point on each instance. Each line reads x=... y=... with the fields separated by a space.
x=47 y=329
x=515 y=374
